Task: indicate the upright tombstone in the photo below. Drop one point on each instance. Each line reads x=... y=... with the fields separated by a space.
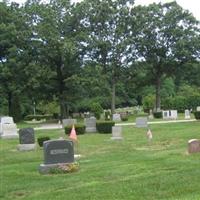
x=193 y=146
x=141 y=122
x=26 y=139
x=68 y=122
x=165 y=114
x=116 y=133
x=150 y=114
x=198 y=108
x=116 y=117
x=187 y=114
x=8 y=128
x=173 y=114
x=56 y=152
x=90 y=124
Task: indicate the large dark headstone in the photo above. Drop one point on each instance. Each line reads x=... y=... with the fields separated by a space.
x=58 y=151
x=26 y=136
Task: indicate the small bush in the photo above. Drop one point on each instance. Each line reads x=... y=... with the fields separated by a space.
x=80 y=129
x=197 y=115
x=38 y=117
x=105 y=126
x=124 y=118
x=41 y=140
x=96 y=109
x=157 y=114
x=107 y=115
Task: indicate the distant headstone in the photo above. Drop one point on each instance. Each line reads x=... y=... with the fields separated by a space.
x=198 y=108
x=141 y=122
x=8 y=128
x=26 y=139
x=116 y=133
x=116 y=117
x=150 y=114
x=187 y=114
x=56 y=152
x=165 y=114
x=173 y=114
x=68 y=122
x=170 y=114
x=90 y=124
x=194 y=146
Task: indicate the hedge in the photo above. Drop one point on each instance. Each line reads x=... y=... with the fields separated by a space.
x=105 y=126
x=41 y=140
x=197 y=114
x=157 y=114
x=38 y=117
x=80 y=129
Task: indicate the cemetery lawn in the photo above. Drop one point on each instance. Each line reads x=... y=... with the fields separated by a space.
x=129 y=169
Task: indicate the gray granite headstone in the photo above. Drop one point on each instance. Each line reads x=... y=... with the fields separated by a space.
x=26 y=136
x=141 y=122
x=116 y=133
x=68 y=122
x=58 y=151
x=90 y=124
x=116 y=117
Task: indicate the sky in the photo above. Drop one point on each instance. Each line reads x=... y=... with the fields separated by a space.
x=192 y=5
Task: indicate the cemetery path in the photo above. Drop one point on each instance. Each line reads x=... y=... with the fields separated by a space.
x=59 y=126
x=158 y=122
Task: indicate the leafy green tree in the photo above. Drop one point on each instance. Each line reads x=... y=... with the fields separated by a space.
x=166 y=37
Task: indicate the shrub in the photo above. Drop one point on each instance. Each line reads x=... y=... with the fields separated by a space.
x=80 y=129
x=124 y=118
x=96 y=109
x=107 y=115
x=105 y=126
x=197 y=114
x=38 y=117
x=41 y=140
x=157 y=114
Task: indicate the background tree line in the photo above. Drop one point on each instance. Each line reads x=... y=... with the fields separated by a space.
x=65 y=57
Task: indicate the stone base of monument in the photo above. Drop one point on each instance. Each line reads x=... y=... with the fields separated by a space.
x=116 y=138
x=26 y=147
x=58 y=168
x=9 y=136
x=90 y=130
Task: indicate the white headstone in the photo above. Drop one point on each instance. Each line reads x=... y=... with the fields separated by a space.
x=116 y=133
x=116 y=117
x=198 y=108
x=8 y=128
x=90 y=124
x=187 y=114
x=174 y=114
x=141 y=122
x=165 y=114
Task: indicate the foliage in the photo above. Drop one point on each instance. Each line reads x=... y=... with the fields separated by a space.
x=197 y=115
x=38 y=117
x=80 y=129
x=42 y=139
x=105 y=126
x=157 y=115
x=124 y=118
x=96 y=109
x=148 y=103
x=65 y=168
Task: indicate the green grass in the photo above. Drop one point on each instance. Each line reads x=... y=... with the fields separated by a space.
x=129 y=169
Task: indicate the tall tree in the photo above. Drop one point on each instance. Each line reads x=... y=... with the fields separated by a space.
x=108 y=30
x=167 y=37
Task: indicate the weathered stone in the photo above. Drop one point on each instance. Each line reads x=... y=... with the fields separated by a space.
x=116 y=133
x=116 y=117
x=68 y=122
x=141 y=122
x=90 y=124
x=26 y=136
x=194 y=146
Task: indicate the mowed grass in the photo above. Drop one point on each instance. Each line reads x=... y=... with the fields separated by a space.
x=128 y=169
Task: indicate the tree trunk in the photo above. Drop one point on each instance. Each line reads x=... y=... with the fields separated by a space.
x=113 y=96
x=158 y=100
x=9 y=103
x=63 y=113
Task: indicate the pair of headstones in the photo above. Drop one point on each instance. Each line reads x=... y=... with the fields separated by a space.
x=170 y=114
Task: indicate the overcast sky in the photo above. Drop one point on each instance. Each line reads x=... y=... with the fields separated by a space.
x=192 y=5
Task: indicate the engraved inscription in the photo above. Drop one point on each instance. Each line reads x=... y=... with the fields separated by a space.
x=59 y=151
